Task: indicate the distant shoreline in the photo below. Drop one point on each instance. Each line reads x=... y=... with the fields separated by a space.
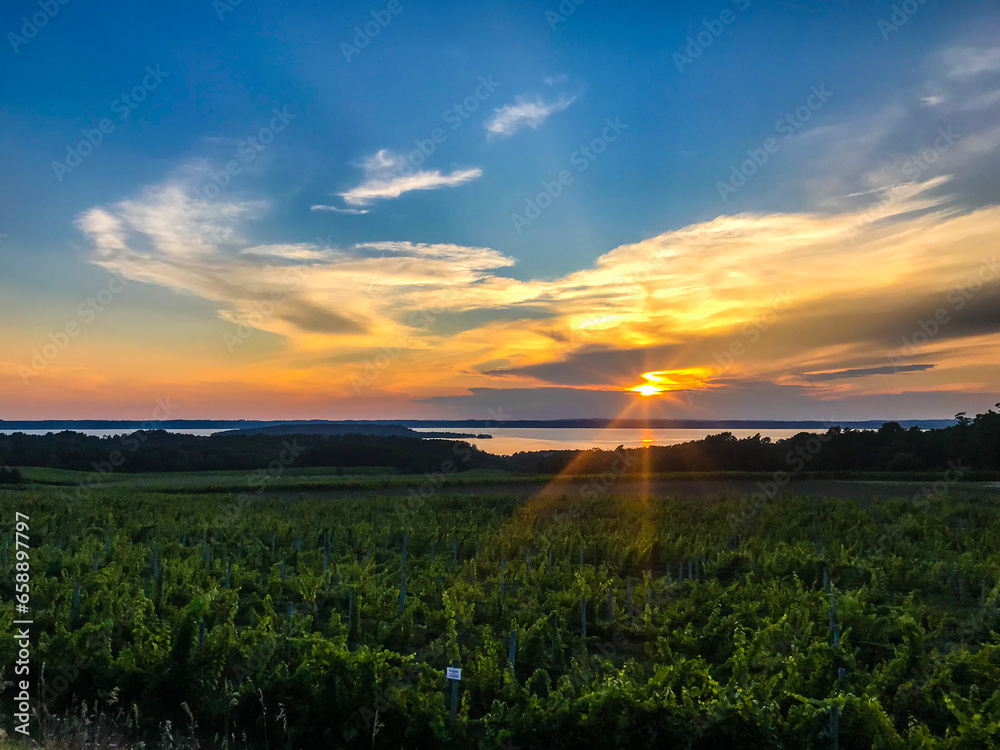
x=590 y=423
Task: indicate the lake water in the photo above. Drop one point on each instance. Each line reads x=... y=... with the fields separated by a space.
x=506 y=441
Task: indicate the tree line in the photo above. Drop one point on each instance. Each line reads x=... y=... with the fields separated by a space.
x=972 y=444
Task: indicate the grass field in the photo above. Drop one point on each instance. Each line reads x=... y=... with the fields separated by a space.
x=375 y=478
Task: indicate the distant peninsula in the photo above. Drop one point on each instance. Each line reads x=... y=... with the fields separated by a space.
x=350 y=428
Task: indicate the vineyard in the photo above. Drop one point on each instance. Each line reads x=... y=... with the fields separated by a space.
x=285 y=620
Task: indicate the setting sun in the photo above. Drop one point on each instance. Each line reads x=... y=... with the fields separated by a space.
x=662 y=381
x=647 y=390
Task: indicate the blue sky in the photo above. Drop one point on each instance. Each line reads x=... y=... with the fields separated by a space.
x=349 y=124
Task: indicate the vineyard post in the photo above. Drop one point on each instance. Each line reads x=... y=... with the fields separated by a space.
x=402 y=574
x=834 y=627
x=201 y=642
x=454 y=696
x=583 y=615
x=454 y=552
x=527 y=565
x=555 y=633
x=628 y=591
x=75 y=611
x=611 y=604
x=512 y=651
x=549 y=566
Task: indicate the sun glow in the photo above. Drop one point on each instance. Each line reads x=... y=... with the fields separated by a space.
x=647 y=390
x=662 y=381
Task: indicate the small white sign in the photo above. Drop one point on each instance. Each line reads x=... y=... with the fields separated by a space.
x=454 y=673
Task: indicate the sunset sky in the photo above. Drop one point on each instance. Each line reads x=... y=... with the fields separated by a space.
x=729 y=209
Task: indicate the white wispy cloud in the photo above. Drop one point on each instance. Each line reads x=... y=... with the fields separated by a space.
x=166 y=236
x=524 y=113
x=393 y=187
x=390 y=175
x=337 y=209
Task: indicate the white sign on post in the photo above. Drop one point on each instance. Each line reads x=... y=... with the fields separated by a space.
x=454 y=673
